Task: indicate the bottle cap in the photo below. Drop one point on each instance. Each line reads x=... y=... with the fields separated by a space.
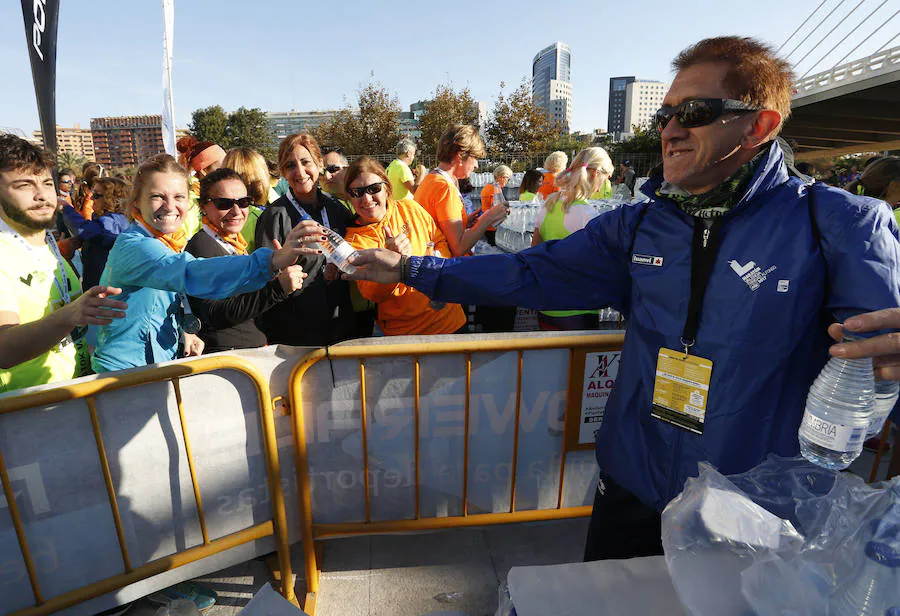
x=883 y=554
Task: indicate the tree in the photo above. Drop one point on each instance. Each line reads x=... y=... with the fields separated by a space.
x=241 y=128
x=517 y=124
x=70 y=160
x=372 y=128
x=646 y=140
x=209 y=124
x=249 y=128
x=446 y=107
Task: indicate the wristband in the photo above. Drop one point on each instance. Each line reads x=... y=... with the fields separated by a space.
x=404 y=268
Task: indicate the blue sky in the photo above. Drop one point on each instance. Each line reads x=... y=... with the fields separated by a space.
x=280 y=55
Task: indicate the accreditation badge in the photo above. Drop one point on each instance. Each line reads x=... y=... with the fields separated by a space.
x=681 y=389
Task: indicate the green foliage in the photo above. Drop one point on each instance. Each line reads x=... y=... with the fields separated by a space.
x=71 y=160
x=210 y=124
x=241 y=128
x=373 y=129
x=517 y=124
x=446 y=107
x=646 y=140
x=248 y=128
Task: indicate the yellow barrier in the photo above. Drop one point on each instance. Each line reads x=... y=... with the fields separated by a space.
x=311 y=532
x=276 y=527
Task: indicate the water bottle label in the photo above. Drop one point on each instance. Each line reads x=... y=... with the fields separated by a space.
x=834 y=436
x=342 y=252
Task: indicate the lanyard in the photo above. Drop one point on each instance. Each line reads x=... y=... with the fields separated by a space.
x=62 y=283
x=211 y=233
x=304 y=215
x=705 y=246
x=449 y=179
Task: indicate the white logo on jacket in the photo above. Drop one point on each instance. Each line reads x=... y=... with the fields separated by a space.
x=751 y=273
x=647 y=260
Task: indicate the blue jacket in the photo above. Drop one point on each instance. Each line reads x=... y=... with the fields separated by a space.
x=151 y=276
x=98 y=236
x=820 y=261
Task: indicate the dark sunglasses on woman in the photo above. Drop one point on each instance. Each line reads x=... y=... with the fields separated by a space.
x=371 y=189
x=225 y=204
x=699 y=112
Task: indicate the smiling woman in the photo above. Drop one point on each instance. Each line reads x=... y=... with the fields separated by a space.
x=322 y=313
x=228 y=323
x=148 y=260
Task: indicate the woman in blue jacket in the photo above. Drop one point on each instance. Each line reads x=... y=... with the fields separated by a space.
x=148 y=263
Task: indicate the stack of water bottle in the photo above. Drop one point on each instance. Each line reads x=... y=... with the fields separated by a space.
x=515 y=232
x=845 y=406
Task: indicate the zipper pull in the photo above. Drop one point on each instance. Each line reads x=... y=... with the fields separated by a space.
x=705 y=237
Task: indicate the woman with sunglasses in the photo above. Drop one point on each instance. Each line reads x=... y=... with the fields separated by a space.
x=149 y=263
x=566 y=212
x=228 y=323
x=98 y=235
x=252 y=168
x=322 y=312
x=458 y=151
x=404 y=227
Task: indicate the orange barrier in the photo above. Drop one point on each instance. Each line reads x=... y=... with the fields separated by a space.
x=462 y=345
x=276 y=526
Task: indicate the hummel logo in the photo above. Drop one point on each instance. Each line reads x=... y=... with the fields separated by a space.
x=739 y=269
x=647 y=260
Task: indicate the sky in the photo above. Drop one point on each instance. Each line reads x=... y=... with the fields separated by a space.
x=307 y=55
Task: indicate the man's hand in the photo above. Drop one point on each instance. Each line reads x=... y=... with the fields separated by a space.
x=399 y=243
x=298 y=242
x=93 y=308
x=193 y=346
x=291 y=278
x=884 y=349
x=376 y=265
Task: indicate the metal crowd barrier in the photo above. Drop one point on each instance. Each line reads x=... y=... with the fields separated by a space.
x=312 y=532
x=276 y=526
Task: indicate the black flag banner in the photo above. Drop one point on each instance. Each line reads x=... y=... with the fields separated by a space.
x=41 y=20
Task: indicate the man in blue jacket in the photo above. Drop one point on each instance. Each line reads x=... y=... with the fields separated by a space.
x=729 y=278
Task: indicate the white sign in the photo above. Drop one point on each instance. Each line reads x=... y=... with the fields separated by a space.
x=600 y=372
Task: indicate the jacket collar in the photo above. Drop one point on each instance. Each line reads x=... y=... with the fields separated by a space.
x=771 y=174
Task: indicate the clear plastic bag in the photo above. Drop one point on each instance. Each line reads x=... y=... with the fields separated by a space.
x=783 y=538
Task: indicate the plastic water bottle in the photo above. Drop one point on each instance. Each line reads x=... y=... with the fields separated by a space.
x=431 y=251
x=337 y=251
x=839 y=408
x=885 y=398
x=875 y=589
x=179 y=607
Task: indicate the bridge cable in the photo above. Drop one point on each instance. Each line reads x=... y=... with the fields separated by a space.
x=889 y=42
x=822 y=40
x=818 y=25
x=799 y=27
x=873 y=33
x=846 y=36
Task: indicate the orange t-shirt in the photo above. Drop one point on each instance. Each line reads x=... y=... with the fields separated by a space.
x=487 y=200
x=549 y=185
x=403 y=310
x=440 y=198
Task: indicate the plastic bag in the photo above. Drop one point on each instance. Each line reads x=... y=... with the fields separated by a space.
x=783 y=538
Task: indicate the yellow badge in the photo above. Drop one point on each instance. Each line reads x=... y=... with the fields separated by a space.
x=681 y=389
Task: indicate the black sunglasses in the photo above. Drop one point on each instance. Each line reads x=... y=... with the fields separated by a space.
x=333 y=168
x=699 y=112
x=224 y=203
x=372 y=189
